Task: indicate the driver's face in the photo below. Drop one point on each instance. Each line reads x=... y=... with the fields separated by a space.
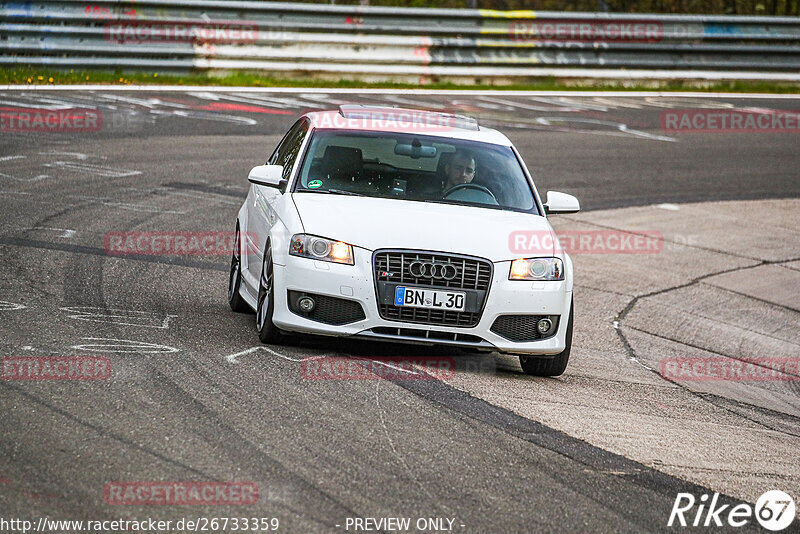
x=460 y=171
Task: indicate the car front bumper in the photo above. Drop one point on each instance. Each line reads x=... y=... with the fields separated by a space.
x=356 y=283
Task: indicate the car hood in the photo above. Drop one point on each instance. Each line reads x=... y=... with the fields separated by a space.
x=374 y=223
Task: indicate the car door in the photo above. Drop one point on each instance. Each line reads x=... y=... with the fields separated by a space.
x=264 y=210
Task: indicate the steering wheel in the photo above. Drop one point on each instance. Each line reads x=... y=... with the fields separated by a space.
x=468 y=186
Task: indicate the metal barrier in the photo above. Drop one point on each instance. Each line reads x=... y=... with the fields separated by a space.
x=378 y=43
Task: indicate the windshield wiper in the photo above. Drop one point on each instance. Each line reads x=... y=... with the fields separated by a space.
x=331 y=192
x=464 y=203
x=441 y=201
x=343 y=192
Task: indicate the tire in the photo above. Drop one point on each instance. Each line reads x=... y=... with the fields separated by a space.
x=267 y=331
x=235 y=299
x=550 y=365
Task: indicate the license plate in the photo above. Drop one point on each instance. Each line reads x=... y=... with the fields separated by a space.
x=414 y=297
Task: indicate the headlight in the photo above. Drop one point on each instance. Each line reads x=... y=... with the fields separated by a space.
x=537 y=269
x=319 y=248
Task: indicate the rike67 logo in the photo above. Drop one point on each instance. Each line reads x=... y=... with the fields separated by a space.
x=774 y=510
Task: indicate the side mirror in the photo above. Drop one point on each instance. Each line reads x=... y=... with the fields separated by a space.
x=561 y=203
x=268 y=175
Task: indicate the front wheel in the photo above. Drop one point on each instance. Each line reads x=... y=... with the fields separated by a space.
x=267 y=331
x=549 y=365
x=235 y=300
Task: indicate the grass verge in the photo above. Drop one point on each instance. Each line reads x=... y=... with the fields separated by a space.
x=33 y=76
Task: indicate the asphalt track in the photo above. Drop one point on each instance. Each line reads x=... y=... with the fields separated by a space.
x=187 y=401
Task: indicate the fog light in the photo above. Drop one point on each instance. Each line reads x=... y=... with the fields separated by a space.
x=544 y=326
x=306 y=304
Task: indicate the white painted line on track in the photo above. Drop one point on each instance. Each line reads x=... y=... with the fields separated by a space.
x=9 y=306
x=119 y=346
x=144 y=319
x=66 y=233
x=232 y=358
x=34 y=179
x=395 y=367
x=371 y=91
x=99 y=170
x=76 y=155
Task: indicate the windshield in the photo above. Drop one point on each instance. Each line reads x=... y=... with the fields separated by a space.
x=415 y=167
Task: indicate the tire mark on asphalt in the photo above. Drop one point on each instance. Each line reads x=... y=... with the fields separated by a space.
x=600 y=460
x=720 y=321
x=213 y=421
x=105 y=433
x=98 y=429
x=706 y=349
x=789 y=266
x=96 y=251
x=759 y=299
x=664 y=240
x=396 y=453
x=207 y=189
x=620 y=316
x=711 y=399
x=721 y=470
x=479 y=412
x=211 y=379
x=538 y=434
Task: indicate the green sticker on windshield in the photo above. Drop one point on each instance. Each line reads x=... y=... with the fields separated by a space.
x=315 y=184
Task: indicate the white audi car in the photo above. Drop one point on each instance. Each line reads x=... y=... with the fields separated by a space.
x=404 y=225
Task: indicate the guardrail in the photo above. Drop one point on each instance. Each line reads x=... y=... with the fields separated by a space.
x=378 y=43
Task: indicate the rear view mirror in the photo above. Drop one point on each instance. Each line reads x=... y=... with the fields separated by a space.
x=561 y=203
x=415 y=150
x=268 y=175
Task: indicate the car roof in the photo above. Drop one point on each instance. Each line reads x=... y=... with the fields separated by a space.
x=404 y=120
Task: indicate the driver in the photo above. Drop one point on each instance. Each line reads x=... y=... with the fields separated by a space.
x=460 y=170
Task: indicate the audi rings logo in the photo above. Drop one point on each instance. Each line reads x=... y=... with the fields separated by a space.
x=436 y=271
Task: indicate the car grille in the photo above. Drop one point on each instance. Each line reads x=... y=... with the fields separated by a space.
x=522 y=327
x=328 y=310
x=427 y=334
x=421 y=315
x=472 y=273
x=393 y=267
